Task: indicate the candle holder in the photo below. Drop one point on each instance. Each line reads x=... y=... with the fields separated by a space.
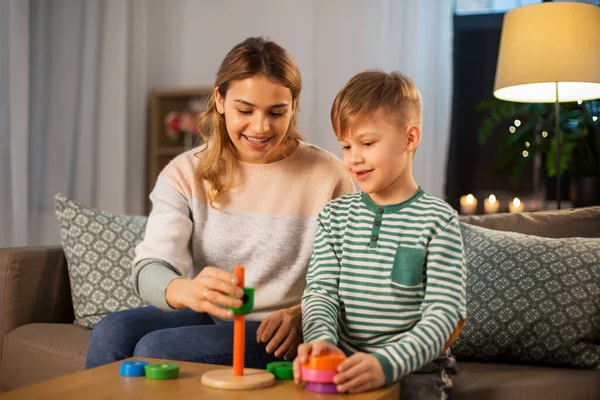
x=491 y=205
x=468 y=204
x=516 y=206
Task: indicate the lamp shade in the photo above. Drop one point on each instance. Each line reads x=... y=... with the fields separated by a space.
x=547 y=44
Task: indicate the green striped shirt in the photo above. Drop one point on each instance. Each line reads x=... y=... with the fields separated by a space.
x=386 y=280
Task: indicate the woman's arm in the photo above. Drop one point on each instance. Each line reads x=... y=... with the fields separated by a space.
x=163 y=266
x=164 y=254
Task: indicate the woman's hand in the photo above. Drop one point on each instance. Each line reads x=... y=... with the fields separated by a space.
x=202 y=294
x=313 y=348
x=283 y=330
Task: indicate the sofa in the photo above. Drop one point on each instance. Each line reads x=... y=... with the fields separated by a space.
x=36 y=320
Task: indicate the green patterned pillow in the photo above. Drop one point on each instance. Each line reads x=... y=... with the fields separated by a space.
x=531 y=300
x=99 y=247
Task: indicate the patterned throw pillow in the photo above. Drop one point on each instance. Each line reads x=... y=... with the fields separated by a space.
x=531 y=300
x=99 y=247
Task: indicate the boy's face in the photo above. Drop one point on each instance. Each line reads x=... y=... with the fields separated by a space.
x=378 y=153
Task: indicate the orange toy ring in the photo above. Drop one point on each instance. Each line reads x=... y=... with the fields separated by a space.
x=325 y=361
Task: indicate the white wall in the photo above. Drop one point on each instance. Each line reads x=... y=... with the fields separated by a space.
x=94 y=63
x=331 y=41
x=182 y=42
x=189 y=38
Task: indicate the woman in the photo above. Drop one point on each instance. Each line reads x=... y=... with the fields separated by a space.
x=248 y=196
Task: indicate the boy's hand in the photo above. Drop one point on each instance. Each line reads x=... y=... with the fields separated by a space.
x=283 y=330
x=314 y=348
x=359 y=373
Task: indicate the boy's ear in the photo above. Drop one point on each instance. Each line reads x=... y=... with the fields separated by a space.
x=413 y=138
x=219 y=101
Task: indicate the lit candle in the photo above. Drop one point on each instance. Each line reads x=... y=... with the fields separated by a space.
x=491 y=205
x=516 y=206
x=468 y=204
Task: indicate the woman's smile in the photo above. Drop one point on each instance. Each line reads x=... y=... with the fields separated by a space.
x=257 y=142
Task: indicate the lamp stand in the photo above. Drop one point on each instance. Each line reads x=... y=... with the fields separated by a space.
x=558 y=138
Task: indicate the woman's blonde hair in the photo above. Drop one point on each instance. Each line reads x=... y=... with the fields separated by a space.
x=252 y=57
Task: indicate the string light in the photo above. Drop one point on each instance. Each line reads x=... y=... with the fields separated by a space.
x=545 y=134
x=512 y=129
x=594 y=118
x=579 y=102
x=527 y=144
x=525 y=153
x=517 y=123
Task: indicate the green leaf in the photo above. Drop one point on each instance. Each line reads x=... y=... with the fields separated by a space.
x=566 y=150
x=580 y=150
x=518 y=168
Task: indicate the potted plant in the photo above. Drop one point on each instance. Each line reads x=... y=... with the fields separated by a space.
x=531 y=129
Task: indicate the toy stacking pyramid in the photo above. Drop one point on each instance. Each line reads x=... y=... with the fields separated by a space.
x=318 y=372
x=239 y=378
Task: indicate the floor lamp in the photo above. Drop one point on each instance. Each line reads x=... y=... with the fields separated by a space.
x=550 y=53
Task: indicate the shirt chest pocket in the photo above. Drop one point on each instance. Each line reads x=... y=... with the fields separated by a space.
x=409 y=266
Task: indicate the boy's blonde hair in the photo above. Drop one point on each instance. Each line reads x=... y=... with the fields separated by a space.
x=367 y=92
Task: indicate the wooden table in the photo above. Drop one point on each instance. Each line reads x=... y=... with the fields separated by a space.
x=106 y=383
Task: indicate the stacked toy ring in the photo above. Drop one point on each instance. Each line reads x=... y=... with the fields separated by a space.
x=318 y=372
x=321 y=387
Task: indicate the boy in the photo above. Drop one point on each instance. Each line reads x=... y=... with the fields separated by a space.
x=386 y=282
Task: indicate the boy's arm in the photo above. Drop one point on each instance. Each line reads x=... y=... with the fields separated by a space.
x=443 y=306
x=320 y=302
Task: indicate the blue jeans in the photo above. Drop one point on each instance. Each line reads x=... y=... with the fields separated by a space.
x=173 y=335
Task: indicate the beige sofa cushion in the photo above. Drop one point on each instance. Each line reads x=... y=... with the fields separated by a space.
x=499 y=382
x=37 y=352
x=580 y=222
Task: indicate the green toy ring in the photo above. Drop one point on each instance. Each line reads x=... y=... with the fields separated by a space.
x=283 y=370
x=248 y=302
x=162 y=371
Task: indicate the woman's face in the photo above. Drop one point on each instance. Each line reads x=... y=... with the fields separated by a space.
x=257 y=116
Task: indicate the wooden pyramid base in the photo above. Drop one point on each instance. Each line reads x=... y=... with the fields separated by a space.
x=224 y=379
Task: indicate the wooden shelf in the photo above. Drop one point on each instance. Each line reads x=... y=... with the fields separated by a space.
x=162 y=149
